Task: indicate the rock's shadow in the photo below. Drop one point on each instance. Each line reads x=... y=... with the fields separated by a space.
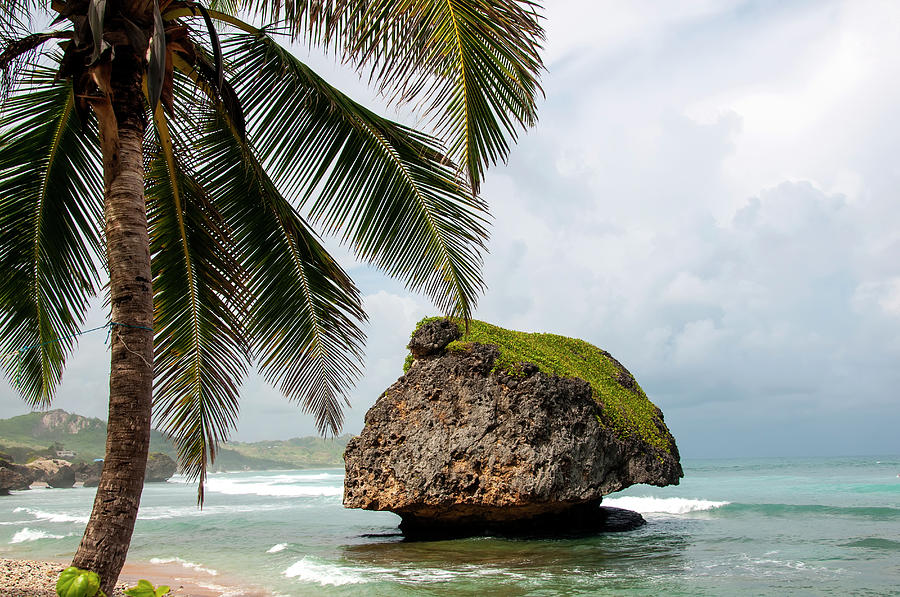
x=586 y=521
x=521 y=565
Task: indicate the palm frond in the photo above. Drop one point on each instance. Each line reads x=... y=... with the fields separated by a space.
x=226 y=6
x=15 y=49
x=200 y=304
x=305 y=312
x=315 y=19
x=473 y=65
x=387 y=190
x=19 y=12
x=18 y=47
x=50 y=210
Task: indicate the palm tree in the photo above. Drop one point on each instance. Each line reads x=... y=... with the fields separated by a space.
x=188 y=153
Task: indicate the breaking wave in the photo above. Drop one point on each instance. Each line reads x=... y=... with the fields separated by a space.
x=27 y=534
x=184 y=564
x=653 y=505
x=309 y=570
x=53 y=516
x=272 y=488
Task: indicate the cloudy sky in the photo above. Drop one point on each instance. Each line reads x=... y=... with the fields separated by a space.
x=712 y=196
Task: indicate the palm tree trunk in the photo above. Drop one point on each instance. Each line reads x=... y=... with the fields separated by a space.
x=108 y=534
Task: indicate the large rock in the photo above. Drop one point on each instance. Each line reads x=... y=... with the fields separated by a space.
x=63 y=478
x=21 y=478
x=53 y=471
x=159 y=468
x=88 y=473
x=459 y=446
x=432 y=338
x=11 y=480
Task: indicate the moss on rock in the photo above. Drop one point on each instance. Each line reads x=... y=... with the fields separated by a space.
x=626 y=407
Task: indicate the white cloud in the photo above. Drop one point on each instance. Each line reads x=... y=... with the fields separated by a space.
x=883 y=296
x=713 y=200
x=577 y=30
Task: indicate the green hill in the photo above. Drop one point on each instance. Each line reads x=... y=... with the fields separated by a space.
x=299 y=452
x=44 y=433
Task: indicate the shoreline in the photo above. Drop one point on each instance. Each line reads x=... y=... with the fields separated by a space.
x=37 y=578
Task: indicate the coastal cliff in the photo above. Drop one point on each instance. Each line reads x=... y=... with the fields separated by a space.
x=490 y=431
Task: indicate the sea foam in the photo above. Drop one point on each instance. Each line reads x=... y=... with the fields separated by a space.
x=653 y=505
x=184 y=564
x=162 y=513
x=304 y=477
x=315 y=571
x=309 y=570
x=53 y=516
x=269 y=489
x=222 y=591
x=27 y=534
x=277 y=548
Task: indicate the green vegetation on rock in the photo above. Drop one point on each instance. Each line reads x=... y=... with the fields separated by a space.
x=626 y=407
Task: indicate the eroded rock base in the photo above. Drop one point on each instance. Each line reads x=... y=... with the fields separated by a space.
x=581 y=521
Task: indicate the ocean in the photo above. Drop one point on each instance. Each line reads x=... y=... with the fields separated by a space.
x=733 y=527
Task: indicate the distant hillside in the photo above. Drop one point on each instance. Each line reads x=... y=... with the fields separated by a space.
x=299 y=452
x=43 y=433
x=28 y=436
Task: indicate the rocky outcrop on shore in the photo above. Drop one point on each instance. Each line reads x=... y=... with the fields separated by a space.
x=53 y=471
x=59 y=473
x=88 y=473
x=466 y=443
x=160 y=468
x=14 y=477
x=10 y=480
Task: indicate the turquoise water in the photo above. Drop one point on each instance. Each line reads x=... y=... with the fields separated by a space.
x=733 y=527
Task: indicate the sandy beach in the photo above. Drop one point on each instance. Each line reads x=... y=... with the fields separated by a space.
x=32 y=578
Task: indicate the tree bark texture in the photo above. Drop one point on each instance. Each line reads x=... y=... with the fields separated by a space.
x=122 y=123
